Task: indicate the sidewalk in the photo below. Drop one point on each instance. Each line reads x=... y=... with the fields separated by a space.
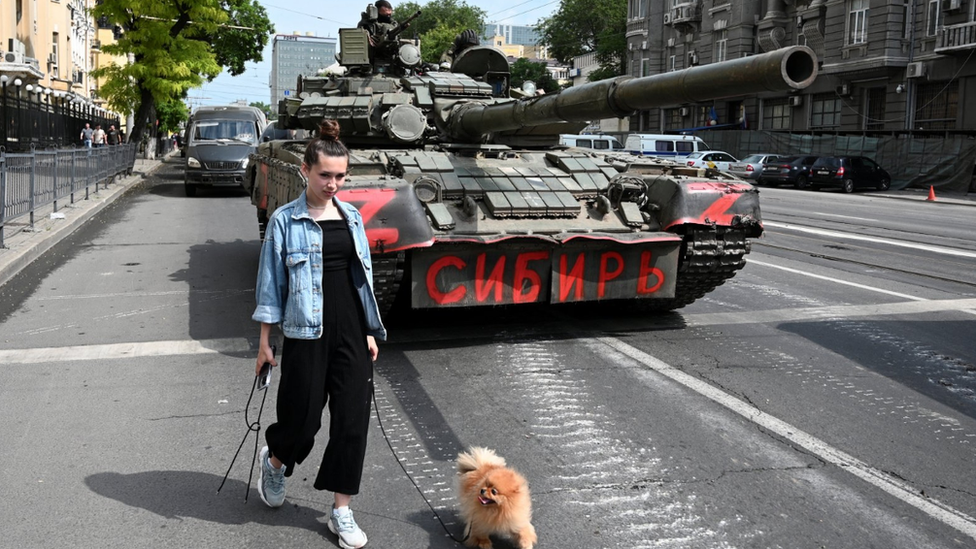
x=923 y=194
x=23 y=245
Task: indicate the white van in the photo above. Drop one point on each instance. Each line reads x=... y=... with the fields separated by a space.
x=666 y=146
x=596 y=142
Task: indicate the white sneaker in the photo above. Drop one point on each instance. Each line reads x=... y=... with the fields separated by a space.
x=343 y=525
x=271 y=481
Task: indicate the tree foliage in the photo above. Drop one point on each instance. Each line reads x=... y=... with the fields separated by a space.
x=175 y=45
x=171 y=114
x=438 y=24
x=523 y=69
x=583 y=26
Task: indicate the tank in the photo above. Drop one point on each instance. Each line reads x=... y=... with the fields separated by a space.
x=469 y=200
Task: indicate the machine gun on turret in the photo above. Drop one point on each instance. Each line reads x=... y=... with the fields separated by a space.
x=402 y=26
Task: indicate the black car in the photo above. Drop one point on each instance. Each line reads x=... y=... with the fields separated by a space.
x=848 y=173
x=788 y=170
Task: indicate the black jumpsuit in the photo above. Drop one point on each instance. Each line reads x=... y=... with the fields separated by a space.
x=334 y=369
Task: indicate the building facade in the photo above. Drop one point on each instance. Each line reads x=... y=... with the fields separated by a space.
x=523 y=35
x=295 y=55
x=885 y=65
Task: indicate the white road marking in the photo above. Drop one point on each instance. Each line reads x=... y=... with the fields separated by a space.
x=833 y=311
x=124 y=350
x=835 y=280
x=893 y=486
x=850 y=236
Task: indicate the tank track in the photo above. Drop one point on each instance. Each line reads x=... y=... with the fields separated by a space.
x=709 y=257
x=387 y=276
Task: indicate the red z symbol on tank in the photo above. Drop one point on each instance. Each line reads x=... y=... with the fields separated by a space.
x=369 y=202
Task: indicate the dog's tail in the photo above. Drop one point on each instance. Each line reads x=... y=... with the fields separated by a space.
x=477 y=457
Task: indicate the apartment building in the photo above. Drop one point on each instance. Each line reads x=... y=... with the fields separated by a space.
x=47 y=46
x=885 y=65
x=297 y=54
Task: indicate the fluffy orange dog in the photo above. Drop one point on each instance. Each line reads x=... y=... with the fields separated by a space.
x=494 y=499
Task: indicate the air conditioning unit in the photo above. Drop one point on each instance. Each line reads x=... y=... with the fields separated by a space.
x=667 y=18
x=915 y=70
x=684 y=111
x=796 y=100
x=13 y=57
x=644 y=45
x=843 y=89
x=948 y=5
x=52 y=59
x=670 y=42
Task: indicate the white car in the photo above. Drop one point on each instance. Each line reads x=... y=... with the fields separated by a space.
x=716 y=160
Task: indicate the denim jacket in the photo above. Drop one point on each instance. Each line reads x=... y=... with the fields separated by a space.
x=289 y=284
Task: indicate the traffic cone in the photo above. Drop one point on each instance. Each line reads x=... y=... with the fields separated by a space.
x=931 y=197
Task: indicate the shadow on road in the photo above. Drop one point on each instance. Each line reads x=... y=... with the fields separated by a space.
x=188 y=494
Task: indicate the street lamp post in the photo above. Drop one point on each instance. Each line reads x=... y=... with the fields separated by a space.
x=3 y=93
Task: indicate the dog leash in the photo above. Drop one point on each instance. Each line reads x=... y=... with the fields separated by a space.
x=379 y=418
x=251 y=427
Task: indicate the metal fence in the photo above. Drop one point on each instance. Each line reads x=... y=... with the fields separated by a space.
x=32 y=180
x=39 y=120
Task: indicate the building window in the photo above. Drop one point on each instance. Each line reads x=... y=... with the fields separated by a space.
x=721 y=45
x=933 y=17
x=672 y=59
x=776 y=114
x=825 y=111
x=937 y=106
x=857 y=22
x=875 y=108
x=672 y=119
x=906 y=26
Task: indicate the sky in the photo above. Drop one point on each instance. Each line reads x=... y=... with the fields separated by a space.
x=325 y=19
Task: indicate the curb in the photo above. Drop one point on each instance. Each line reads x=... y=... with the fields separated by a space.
x=24 y=247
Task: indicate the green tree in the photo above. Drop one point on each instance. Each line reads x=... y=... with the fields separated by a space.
x=175 y=45
x=438 y=24
x=171 y=114
x=582 y=26
x=523 y=69
x=266 y=109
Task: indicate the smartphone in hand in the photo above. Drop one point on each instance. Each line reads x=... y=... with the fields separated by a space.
x=264 y=377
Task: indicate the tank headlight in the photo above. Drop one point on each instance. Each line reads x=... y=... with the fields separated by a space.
x=528 y=87
x=192 y=162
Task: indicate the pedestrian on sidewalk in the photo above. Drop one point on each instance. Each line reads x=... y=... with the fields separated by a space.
x=112 y=135
x=98 y=136
x=86 y=135
x=315 y=281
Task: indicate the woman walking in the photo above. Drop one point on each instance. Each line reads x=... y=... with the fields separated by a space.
x=315 y=280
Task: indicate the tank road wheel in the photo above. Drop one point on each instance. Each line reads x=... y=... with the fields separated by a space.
x=885 y=184
x=801 y=182
x=848 y=186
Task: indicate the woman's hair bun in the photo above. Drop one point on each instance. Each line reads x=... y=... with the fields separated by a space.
x=328 y=130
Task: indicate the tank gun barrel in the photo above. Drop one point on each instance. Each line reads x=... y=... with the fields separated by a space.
x=786 y=69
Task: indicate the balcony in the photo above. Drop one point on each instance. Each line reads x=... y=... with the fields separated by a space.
x=637 y=27
x=685 y=13
x=957 y=38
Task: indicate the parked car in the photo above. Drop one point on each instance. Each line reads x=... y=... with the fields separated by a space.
x=848 y=173
x=789 y=170
x=716 y=160
x=751 y=167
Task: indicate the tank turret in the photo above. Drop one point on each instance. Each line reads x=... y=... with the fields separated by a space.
x=401 y=100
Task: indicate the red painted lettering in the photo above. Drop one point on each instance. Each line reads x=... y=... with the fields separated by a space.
x=571 y=278
x=451 y=296
x=483 y=286
x=645 y=271
x=605 y=275
x=369 y=202
x=523 y=274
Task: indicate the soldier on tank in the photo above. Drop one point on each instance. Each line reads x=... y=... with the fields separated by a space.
x=378 y=21
x=462 y=42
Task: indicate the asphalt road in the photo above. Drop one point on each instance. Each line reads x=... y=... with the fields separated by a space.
x=824 y=397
